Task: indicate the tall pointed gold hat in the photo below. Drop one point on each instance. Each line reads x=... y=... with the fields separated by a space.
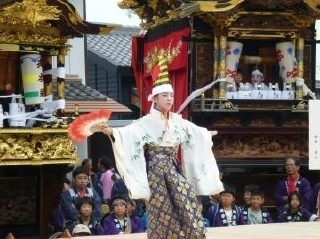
x=157 y=62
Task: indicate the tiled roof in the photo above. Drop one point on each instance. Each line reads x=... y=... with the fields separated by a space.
x=114 y=47
x=87 y=98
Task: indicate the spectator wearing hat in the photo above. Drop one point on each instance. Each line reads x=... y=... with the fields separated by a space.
x=81 y=230
x=226 y=213
x=118 y=221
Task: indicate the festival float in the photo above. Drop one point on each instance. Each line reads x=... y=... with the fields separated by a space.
x=259 y=124
x=35 y=150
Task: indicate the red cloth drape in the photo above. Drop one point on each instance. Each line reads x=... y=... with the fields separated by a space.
x=178 y=69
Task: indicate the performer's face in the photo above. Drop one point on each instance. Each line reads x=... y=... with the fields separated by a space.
x=164 y=101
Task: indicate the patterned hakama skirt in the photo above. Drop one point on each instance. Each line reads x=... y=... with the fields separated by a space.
x=173 y=211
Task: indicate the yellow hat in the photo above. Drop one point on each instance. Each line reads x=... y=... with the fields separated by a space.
x=157 y=62
x=160 y=77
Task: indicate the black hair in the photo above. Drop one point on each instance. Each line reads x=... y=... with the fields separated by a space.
x=291 y=196
x=229 y=188
x=85 y=161
x=296 y=160
x=67 y=181
x=84 y=200
x=250 y=187
x=106 y=162
x=80 y=170
x=257 y=192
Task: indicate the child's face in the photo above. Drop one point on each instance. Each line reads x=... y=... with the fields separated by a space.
x=226 y=199
x=130 y=208
x=119 y=209
x=86 y=210
x=256 y=201
x=295 y=203
x=81 y=181
x=247 y=197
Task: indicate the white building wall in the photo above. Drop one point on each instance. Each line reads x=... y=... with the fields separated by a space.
x=75 y=64
x=75 y=60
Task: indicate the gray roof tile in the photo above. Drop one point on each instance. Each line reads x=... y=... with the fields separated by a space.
x=114 y=47
x=75 y=90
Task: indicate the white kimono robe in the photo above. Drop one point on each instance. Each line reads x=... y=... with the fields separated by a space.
x=198 y=161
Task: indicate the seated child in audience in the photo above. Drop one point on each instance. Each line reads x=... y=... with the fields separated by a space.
x=201 y=209
x=131 y=209
x=256 y=214
x=226 y=213
x=295 y=212
x=85 y=207
x=118 y=221
x=247 y=194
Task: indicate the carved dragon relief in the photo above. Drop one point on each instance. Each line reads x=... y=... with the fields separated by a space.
x=27 y=23
x=17 y=149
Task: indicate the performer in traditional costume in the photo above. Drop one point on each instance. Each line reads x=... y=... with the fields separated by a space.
x=146 y=154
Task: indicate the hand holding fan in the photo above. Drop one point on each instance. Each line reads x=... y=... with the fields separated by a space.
x=85 y=125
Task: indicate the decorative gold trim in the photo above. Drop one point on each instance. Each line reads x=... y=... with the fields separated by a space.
x=216 y=6
x=313 y=4
x=38 y=163
x=35 y=130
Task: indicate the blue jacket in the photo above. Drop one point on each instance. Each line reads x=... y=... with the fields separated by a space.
x=69 y=210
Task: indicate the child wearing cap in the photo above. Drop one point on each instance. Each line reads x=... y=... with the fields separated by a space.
x=226 y=213
x=118 y=221
x=81 y=230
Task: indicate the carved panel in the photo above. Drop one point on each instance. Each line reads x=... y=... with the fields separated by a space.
x=307 y=65
x=260 y=146
x=8 y=70
x=36 y=147
x=18 y=201
x=204 y=64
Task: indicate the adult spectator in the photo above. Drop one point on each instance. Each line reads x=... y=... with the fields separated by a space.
x=105 y=179
x=294 y=182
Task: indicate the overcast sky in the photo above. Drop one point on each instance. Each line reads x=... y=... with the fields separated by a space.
x=107 y=11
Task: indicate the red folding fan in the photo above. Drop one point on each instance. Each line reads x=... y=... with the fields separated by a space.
x=81 y=127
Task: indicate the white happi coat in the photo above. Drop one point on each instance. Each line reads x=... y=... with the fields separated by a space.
x=198 y=161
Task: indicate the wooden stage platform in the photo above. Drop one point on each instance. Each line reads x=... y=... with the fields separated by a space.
x=296 y=230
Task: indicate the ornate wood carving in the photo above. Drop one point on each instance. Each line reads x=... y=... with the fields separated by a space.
x=203 y=59
x=260 y=146
x=18 y=201
x=36 y=146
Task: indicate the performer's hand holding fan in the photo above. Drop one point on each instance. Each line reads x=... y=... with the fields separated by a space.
x=85 y=125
